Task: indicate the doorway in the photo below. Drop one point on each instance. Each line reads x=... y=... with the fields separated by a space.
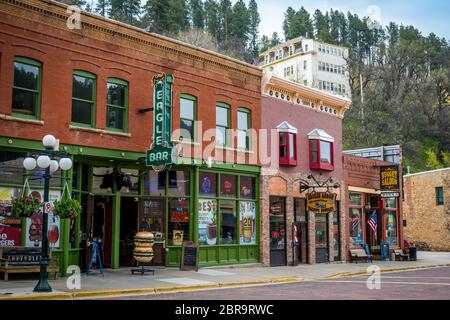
x=99 y=227
x=301 y=250
x=277 y=231
x=128 y=229
x=321 y=238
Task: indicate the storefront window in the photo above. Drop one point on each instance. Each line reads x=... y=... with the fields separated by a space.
x=153 y=213
x=248 y=222
x=178 y=221
x=247 y=187
x=179 y=183
x=391 y=221
x=277 y=223
x=336 y=236
x=155 y=184
x=228 y=221
x=208 y=184
x=102 y=181
x=356 y=231
x=355 y=199
x=207 y=222
x=85 y=177
x=128 y=181
x=11 y=167
x=228 y=186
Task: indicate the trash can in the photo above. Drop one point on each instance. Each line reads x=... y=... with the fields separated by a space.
x=413 y=254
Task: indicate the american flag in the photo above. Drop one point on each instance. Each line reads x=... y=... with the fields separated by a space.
x=373 y=223
x=355 y=222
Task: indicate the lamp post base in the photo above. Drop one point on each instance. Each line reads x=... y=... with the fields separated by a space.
x=42 y=286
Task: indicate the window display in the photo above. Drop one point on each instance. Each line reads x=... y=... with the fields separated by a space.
x=178 y=183
x=228 y=186
x=247 y=187
x=228 y=221
x=207 y=222
x=248 y=222
x=208 y=184
x=178 y=221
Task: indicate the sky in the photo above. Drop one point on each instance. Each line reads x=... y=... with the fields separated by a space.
x=426 y=15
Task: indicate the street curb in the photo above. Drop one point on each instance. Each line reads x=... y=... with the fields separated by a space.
x=169 y=289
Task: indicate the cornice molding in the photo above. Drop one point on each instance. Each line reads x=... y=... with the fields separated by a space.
x=99 y=28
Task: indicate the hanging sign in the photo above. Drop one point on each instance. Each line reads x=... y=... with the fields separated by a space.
x=321 y=202
x=389 y=179
x=390 y=194
x=162 y=154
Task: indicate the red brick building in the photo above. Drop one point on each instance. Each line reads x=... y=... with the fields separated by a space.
x=306 y=140
x=368 y=198
x=92 y=88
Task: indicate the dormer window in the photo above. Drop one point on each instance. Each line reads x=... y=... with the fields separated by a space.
x=287 y=144
x=321 y=150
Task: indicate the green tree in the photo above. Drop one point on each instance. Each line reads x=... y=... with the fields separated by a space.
x=275 y=39
x=264 y=43
x=155 y=18
x=126 y=11
x=225 y=16
x=197 y=14
x=322 y=26
x=177 y=16
x=254 y=23
x=290 y=18
x=102 y=7
x=212 y=19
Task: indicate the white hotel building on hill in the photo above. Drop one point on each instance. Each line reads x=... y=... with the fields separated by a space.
x=310 y=62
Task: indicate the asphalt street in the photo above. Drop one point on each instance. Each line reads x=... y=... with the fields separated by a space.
x=424 y=284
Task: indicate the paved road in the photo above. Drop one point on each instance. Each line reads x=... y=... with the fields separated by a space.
x=423 y=284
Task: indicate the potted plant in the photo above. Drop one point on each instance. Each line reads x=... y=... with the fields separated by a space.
x=24 y=206
x=65 y=208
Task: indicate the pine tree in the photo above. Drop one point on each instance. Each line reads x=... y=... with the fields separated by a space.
x=102 y=7
x=322 y=26
x=197 y=14
x=177 y=17
x=304 y=25
x=126 y=11
x=264 y=43
x=254 y=22
x=290 y=17
x=155 y=16
x=275 y=39
x=225 y=15
x=212 y=19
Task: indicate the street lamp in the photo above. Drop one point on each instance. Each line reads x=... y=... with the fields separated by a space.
x=46 y=159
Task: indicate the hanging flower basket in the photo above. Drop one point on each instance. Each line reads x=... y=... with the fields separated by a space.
x=66 y=208
x=24 y=206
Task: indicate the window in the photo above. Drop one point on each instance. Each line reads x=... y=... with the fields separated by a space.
x=391 y=221
x=222 y=124
x=244 y=123
x=305 y=65
x=188 y=106
x=321 y=150
x=26 y=88
x=288 y=148
x=439 y=196
x=356 y=220
x=83 y=98
x=306 y=48
x=228 y=219
x=178 y=224
x=117 y=105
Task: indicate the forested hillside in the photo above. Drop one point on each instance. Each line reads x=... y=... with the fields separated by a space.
x=400 y=79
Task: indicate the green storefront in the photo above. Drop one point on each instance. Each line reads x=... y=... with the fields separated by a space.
x=216 y=207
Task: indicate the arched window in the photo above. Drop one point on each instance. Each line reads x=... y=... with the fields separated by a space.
x=244 y=125
x=188 y=114
x=83 y=98
x=223 y=124
x=26 y=88
x=117 y=105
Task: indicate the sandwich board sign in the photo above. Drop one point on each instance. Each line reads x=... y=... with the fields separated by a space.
x=162 y=154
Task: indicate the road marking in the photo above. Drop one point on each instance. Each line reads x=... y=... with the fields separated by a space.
x=383 y=282
x=414 y=277
x=185 y=281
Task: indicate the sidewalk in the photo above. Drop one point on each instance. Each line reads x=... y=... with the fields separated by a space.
x=120 y=282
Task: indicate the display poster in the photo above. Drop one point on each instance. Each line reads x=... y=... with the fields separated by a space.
x=34 y=223
x=248 y=222
x=178 y=237
x=10 y=224
x=207 y=226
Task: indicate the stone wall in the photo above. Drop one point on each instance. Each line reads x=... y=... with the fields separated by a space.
x=427 y=224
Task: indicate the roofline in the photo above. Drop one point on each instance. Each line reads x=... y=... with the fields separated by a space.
x=300 y=39
x=151 y=34
x=425 y=172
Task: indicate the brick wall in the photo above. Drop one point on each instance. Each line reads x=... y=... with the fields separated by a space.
x=428 y=225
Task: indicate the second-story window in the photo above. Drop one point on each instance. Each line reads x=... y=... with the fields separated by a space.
x=83 y=98
x=439 y=196
x=222 y=124
x=244 y=124
x=117 y=105
x=321 y=150
x=26 y=88
x=287 y=144
x=188 y=106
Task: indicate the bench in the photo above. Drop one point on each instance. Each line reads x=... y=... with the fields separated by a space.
x=23 y=260
x=401 y=255
x=359 y=254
